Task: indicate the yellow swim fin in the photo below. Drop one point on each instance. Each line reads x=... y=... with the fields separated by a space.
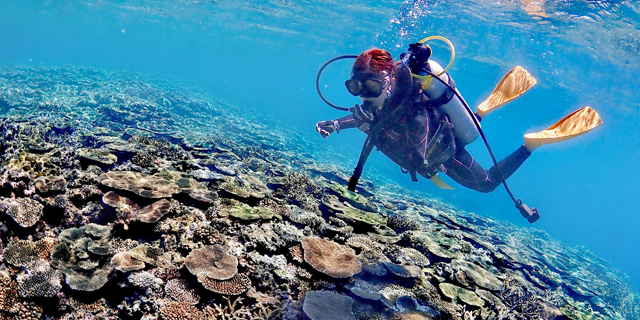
x=440 y=183
x=515 y=83
x=571 y=126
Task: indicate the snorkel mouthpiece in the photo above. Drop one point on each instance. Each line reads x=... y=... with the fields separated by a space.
x=531 y=214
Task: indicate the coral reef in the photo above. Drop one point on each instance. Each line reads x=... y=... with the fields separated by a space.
x=213 y=262
x=181 y=291
x=82 y=254
x=130 y=197
x=140 y=184
x=24 y=211
x=319 y=305
x=330 y=258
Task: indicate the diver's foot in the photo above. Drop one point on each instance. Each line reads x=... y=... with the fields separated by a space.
x=515 y=83
x=571 y=126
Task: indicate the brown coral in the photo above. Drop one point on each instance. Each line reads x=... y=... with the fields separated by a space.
x=126 y=207
x=140 y=184
x=125 y=263
x=234 y=286
x=44 y=246
x=184 y=181
x=50 y=184
x=129 y=210
x=180 y=311
x=181 y=291
x=296 y=254
x=212 y=261
x=28 y=311
x=97 y=156
x=206 y=197
x=24 y=211
x=151 y=255
x=21 y=253
x=330 y=258
x=8 y=293
x=42 y=281
x=154 y=212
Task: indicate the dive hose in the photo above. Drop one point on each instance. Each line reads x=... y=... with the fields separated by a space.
x=428 y=77
x=531 y=214
x=347 y=56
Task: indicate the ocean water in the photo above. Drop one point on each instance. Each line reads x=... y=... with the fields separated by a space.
x=263 y=57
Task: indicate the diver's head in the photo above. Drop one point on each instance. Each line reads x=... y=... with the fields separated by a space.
x=371 y=76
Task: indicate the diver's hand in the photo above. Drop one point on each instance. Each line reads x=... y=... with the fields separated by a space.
x=325 y=128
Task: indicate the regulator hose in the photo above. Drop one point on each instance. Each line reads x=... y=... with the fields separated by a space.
x=347 y=56
x=531 y=214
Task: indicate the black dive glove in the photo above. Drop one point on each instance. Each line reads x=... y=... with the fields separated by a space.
x=419 y=54
x=325 y=128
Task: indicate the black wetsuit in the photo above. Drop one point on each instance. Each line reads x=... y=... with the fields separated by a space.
x=469 y=173
x=405 y=139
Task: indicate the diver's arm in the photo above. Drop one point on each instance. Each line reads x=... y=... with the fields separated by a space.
x=325 y=128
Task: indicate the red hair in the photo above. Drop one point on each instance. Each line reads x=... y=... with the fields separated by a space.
x=373 y=60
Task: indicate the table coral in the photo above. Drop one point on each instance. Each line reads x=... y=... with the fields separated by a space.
x=21 y=253
x=325 y=305
x=213 y=261
x=43 y=281
x=236 y=285
x=180 y=311
x=143 y=185
x=124 y=262
x=181 y=291
x=24 y=211
x=330 y=258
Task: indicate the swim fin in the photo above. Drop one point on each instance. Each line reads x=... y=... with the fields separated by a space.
x=515 y=83
x=571 y=126
x=440 y=183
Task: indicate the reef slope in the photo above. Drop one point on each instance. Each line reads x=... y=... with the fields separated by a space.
x=123 y=196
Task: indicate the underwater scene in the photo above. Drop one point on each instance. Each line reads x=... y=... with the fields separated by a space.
x=276 y=159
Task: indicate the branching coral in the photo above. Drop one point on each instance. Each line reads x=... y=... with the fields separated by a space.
x=232 y=311
x=519 y=301
x=299 y=189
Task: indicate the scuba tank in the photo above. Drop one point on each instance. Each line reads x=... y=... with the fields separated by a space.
x=464 y=128
x=442 y=92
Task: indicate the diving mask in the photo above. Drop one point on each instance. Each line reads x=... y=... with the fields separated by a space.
x=366 y=86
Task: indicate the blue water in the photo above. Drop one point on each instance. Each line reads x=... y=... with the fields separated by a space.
x=264 y=55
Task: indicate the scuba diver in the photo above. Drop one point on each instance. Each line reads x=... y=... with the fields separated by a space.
x=413 y=113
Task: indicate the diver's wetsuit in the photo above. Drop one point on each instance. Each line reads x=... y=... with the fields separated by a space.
x=467 y=172
x=406 y=150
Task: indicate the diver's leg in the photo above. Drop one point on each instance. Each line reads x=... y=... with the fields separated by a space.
x=463 y=169
x=510 y=164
